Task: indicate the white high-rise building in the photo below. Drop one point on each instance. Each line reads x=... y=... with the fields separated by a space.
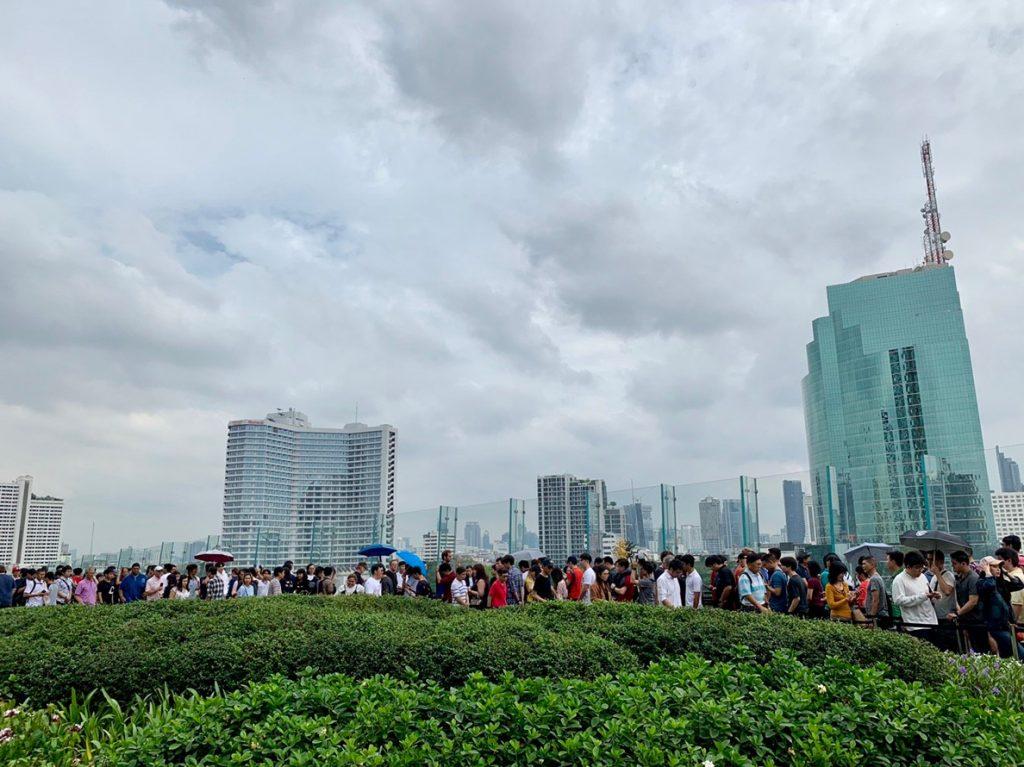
x=1008 y=510
x=810 y=520
x=292 y=491
x=29 y=525
x=431 y=552
x=571 y=512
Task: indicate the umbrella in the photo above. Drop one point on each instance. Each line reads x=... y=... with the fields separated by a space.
x=412 y=560
x=876 y=550
x=528 y=554
x=377 y=550
x=933 y=540
x=215 y=555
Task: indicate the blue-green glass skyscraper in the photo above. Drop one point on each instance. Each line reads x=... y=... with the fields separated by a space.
x=893 y=432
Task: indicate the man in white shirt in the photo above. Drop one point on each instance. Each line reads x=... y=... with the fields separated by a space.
x=589 y=578
x=35 y=591
x=459 y=589
x=910 y=591
x=694 y=586
x=372 y=586
x=155 y=584
x=667 y=585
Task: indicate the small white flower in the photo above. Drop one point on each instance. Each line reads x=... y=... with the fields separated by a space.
x=822 y=688
x=11 y=712
x=55 y=718
x=708 y=763
x=6 y=734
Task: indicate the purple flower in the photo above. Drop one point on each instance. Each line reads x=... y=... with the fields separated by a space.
x=995 y=690
x=963 y=671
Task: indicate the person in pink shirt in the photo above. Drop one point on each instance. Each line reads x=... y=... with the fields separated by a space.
x=85 y=591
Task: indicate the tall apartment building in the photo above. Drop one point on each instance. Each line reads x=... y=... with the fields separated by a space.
x=471 y=535
x=1008 y=511
x=639 y=524
x=430 y=551
x=793 y=499
x=1009 y=473
x=30 y=525
x=292 y=491
x=571 y=514
x=711 y=524
x=732 y=524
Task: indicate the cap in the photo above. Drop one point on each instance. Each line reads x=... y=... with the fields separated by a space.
x=158 y=568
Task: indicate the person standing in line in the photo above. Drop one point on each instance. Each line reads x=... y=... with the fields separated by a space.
x=573 y=579
x=106 y=589
x=624 y=589
x=85 y=591
x=133 y=587
x=397 y=581
x=667 y=585
x=373 y=587
x=589 y=578
x=216 y=589
x=65 y=588
x=458 y=588
x=35 y=590
x=645 y=588
x=943 y=580
x=516 y=582
x=910 y=591
x=838 y=595
x=275 y=588
x=967 y=616
x=497 y=595
x=446 y=559
x=801 y=565
x=796 y=588
x=692 y=585
x=181 y=590
x=478 y=591
x=6 y=588
x=154 y=584
x=51 y=589
x=751 y=586
x=876 y=606
x=894 y=565
x=775 y=583
x=192 y=579
x=601 y=591
x=352 y=586
x=263 y=584
x=246 y=587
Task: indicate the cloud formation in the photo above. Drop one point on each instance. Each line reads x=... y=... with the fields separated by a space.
x=534 y=238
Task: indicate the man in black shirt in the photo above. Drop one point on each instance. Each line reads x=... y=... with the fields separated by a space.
x=796 y=588
x=288 y=581
x=106 y=589
x=723 y=583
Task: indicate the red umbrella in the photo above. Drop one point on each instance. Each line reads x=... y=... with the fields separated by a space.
x=215 y=555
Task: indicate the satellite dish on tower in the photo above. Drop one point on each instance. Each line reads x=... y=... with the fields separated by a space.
x=947 y=255
x=944 y=236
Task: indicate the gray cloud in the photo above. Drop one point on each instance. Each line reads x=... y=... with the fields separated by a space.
x=534 y=238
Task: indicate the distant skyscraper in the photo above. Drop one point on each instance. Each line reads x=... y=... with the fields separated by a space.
x=732 y=523
x=571 y=513
x=1008 y=510
x=485 y=542
x=615 y=521
x=893 y=432
x=711 y=524
x=793 y=498
x=471 y=534
x=29 y=525
x=810 y=521
x=292 y=491
x=639 y=524
x=690 y=540
x=1009 y=473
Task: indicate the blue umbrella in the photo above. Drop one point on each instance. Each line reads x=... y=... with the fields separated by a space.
x=412 y=560
x=377 y=550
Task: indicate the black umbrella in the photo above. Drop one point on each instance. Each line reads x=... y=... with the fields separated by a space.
x=934 y=540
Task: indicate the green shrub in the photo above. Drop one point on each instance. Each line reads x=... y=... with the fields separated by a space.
x=680 y=712
x=47 y=653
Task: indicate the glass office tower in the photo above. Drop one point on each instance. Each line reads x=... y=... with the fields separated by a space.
x=893 y=432
x=292 y=491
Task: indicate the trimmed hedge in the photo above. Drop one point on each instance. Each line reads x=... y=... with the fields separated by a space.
x=681 y=712
x=45 y=654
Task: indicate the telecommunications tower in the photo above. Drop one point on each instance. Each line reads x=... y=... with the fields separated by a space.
x=934 y=238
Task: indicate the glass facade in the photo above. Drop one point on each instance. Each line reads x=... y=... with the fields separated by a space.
x=295 y=492
x=893 y=432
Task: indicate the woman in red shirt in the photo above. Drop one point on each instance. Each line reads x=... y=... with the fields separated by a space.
x=497 y=595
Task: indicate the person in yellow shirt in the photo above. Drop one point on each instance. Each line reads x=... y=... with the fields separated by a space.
x=838 y=595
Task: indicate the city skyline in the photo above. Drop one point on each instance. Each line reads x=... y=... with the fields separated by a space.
x=597 y=253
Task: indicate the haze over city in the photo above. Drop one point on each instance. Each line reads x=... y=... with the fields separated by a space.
x=589 y=241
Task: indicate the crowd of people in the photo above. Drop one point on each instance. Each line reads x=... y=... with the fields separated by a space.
x=956 y=604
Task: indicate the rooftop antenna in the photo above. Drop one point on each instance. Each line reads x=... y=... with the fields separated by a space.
x=934 y=238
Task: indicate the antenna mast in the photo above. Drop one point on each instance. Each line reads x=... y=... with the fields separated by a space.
x=934 y=238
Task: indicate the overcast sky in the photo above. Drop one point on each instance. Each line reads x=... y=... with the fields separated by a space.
x=586 y=238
